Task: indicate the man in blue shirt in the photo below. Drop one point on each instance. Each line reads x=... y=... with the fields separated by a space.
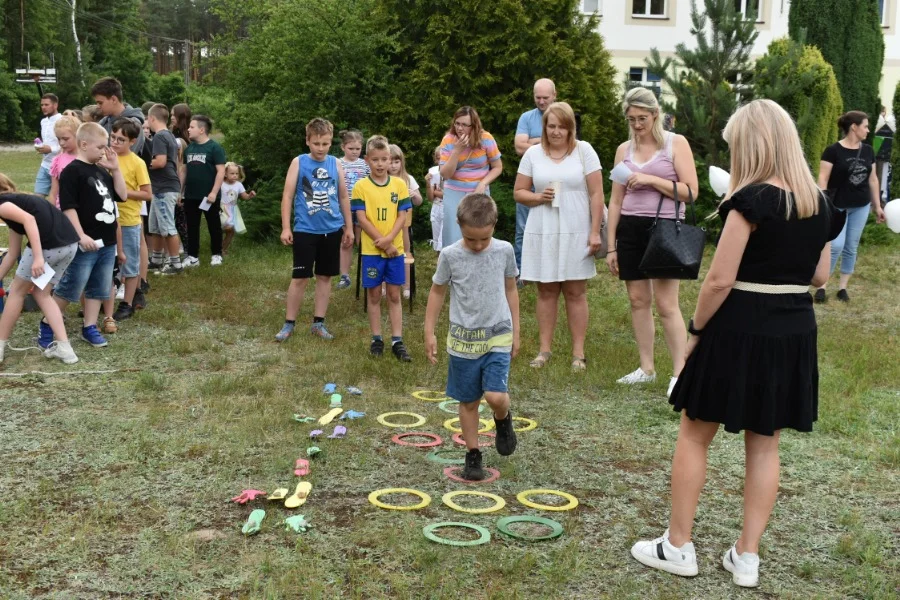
x=528 y=134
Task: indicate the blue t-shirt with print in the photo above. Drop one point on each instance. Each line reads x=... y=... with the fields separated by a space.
x=316 y=205
x=531 y=123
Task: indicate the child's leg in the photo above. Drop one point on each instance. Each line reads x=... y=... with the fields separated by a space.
x=405 y=266
x=15 y=300
x=468 y=421
x=346 y=259
x=172 y=244
x=499 y=403
x=109 y=305
x=229 y=235
x=323 y=295
x=131 y=286
x=144 y=257
x=373 y=295
x=395 y=310
x=295 y=298
x=51 y=313
x=214 y=225
x=92 y=311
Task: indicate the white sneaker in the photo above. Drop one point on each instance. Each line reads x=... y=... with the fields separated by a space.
x=662 y=555
x=672 y=382
x=637 y=376
x=744 y=568
x=63 y=351
x=190 y=261
x=216 y=260
x=120 y=292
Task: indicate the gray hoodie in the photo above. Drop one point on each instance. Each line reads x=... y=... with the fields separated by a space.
x=135 y=115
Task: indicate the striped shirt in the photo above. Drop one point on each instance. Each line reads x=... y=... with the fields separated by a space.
x=473 y=164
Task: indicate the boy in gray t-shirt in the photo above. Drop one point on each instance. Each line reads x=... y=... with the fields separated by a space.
x=484 y=325
x=166 y=186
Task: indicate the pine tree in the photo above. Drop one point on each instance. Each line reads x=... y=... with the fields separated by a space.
x=699 y=77
x=848 y=32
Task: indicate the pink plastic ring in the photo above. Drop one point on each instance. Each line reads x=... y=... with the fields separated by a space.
x=458 y=438
x=495 y=475
x=398 y=439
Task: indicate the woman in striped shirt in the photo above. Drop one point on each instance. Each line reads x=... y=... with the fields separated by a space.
x=470 y=161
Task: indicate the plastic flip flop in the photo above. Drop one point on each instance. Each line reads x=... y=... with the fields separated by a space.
x=278 y=494
x=312 y=451
x=354 y=391
x=330 y=415
x=299 y=496
x=301 y=468
x=336 y=400
x=352 y=414
x=247 y=495
x=296 y=523
x=315 y=433
x=329 y=388
x=303 y=418
x=339 y=432
x=254 y=521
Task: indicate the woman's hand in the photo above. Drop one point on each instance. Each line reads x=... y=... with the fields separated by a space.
x=594 y=243
x=636 y=180
x=479 y=189
x=879 y=214
x=463 y=141
x=612 y=261
x=546 y=196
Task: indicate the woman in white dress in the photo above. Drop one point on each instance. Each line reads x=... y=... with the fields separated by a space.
x=560 y=180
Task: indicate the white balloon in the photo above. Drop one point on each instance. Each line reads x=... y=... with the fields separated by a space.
x=892 y=214
x=719 y=180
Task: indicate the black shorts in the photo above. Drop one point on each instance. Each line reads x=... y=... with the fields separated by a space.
x=632 y=237
x=318 y=253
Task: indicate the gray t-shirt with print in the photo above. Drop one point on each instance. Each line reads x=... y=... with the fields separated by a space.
x=165 y=180
x=480 y=320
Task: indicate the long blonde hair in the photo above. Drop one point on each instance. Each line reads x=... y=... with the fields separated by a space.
x=764 y=145
x=566 y=117
x=396 y=152
x=645 y=99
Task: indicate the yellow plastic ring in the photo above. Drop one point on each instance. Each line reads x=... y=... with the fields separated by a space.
x=425 y=395
x=373 y=498
x=530 y=424
x=420 y=420
x=523 y=498
x=449 y=424
x=499 y=502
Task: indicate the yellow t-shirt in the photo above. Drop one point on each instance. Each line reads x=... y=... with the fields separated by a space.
x=134 y=170
x=382 y=203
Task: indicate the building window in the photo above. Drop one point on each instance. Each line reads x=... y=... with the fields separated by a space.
x=590 y=6
x=742 y=84
x=883 y=11
x=746 y=7
x=641 y=77
x=648 y=8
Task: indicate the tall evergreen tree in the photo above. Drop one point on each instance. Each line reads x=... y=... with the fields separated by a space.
x=699 y=76
x=849 y=35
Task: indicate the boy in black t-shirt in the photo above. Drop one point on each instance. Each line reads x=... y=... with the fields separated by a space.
x=88 y=190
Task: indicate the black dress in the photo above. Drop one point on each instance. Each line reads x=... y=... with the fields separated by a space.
x=755 y=366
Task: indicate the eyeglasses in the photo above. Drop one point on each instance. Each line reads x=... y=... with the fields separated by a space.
x=118 y=140
x=465 y=125
x=639 y=120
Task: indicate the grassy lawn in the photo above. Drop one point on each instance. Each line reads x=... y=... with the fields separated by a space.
x=117 y=484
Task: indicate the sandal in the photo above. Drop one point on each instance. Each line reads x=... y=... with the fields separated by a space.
x=579 y=363
x=540 y=360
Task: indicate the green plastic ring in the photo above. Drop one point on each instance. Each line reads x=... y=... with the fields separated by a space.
x=484 y=538
x=435 y=457
x=445 y=406
x=504 y=523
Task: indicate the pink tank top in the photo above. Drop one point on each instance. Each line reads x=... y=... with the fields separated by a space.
x=643 y=201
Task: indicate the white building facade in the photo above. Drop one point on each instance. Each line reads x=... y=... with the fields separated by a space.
x=631 y=27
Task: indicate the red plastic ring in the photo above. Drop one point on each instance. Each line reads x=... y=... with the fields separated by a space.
x=398 y=439
x=495 y=475
x=458 y=438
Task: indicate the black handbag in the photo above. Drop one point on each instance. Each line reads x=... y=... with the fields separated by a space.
x=675 y=248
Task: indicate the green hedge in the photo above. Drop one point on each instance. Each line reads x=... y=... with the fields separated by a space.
x=895 y=150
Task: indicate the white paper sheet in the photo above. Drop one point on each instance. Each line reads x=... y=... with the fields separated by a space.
x=44 y=279
x=205 y=205
x=620 y=174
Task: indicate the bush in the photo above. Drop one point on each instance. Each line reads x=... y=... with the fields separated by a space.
x=800 y=80
x=895 y=151
x=215 y=102
x=167 y=89
x=12 y=127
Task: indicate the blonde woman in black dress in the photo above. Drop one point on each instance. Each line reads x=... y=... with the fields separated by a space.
x=751 y=357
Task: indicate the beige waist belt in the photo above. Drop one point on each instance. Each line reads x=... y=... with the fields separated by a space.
x=768 y=288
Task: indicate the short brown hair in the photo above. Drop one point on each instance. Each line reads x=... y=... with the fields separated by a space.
x=126 y=127
x=377 y=142
x=477 y=210
x=51 y=97
x=159 y=112
x=566 y=117
x=319 y=126
x=6 y=184
x=107 y=86
x=203 y=120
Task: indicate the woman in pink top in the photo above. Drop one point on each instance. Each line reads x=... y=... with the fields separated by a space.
x=655 y=158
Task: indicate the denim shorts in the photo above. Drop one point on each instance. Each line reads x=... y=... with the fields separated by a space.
x=131 y=246
x=90 y=273
x=42 y=181
x=161 y=220
x=469 y=378
x=378 y=269
x=57 y=259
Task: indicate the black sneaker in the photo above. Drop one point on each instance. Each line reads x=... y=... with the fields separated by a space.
x=819 y=297
x=472 y=471
x=139 y=302
x=153 y=266
x=170 y=269
x=505 y=442
x=377 y=348
x=842 y=296
x=145 y=286
x=125 y=311
x=399 y=350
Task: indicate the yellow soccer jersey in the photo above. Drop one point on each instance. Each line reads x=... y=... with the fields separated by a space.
x=134 y=171
x=382 y=204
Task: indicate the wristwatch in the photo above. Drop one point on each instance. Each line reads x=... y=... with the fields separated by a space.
x=692 y=330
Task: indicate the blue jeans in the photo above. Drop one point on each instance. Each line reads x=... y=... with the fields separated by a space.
x=846 y=244
x=90 y=273
x=521 y=220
